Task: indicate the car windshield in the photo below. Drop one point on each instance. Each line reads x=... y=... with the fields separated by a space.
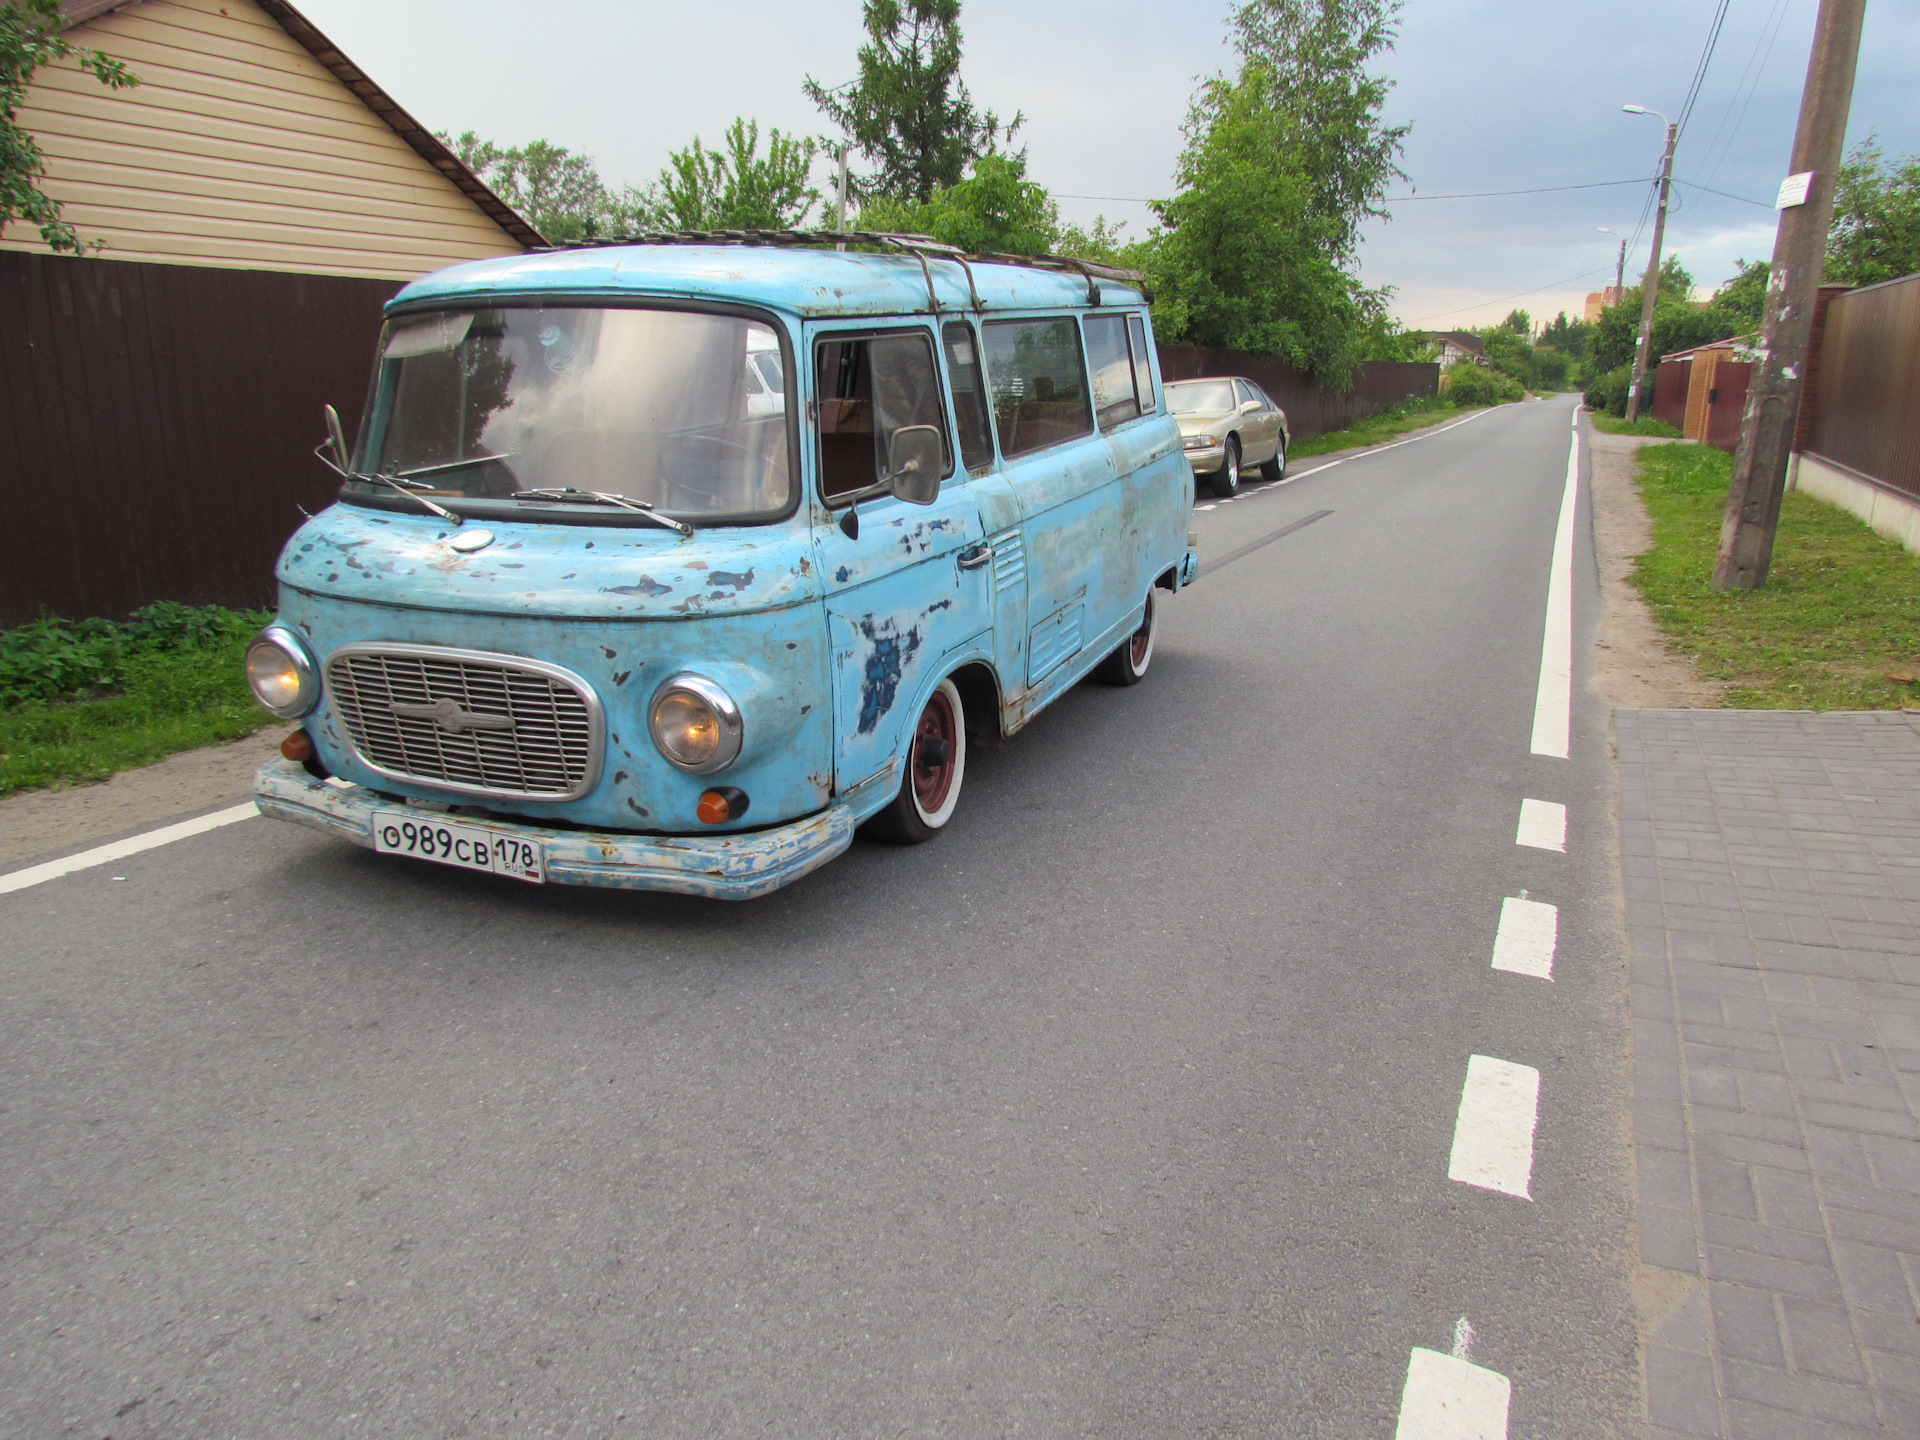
x=1196 y=397
x=680 y=410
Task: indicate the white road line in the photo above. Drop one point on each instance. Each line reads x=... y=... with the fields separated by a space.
x=1361 y=455
x=1553 y=706
x=1449 y=1398
x=1526 y=937
x=1493 y=1136
x=120 y=849
x=1543 y=825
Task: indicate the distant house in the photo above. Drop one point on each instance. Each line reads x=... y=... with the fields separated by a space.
x=1455 y=346
x=259 y=198
x=1599 y=300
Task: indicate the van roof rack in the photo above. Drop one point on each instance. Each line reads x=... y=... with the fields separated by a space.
x=922 y=247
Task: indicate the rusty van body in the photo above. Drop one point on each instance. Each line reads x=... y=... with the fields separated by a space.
x=666 y=566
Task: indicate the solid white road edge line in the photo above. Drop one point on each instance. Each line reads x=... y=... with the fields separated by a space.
x=1493 y=1136
x=1448 y=1398
x=1553 y=706
x=120 y=849
x=1543 y=825
x=1526 y=937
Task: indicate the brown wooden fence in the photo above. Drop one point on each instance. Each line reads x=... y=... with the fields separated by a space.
x=1670 y=381
x=1867 y=390
x=156 y=423
x=1311 y=409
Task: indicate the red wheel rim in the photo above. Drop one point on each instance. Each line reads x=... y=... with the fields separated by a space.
x=1141 y=645
x=933 y=778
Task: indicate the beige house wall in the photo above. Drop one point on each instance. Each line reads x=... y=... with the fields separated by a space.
x=238 y=149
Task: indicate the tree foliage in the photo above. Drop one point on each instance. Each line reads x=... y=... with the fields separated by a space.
x=994 y=209
x=31 y=36
x=1312 y=59
x=562 y=195
x=1569 y=337
x=909 y=113
x=1876 y=217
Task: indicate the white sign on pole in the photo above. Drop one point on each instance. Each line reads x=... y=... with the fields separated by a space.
x=1793 y=190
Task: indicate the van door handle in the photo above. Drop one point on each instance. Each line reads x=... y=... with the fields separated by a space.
x=976 y=557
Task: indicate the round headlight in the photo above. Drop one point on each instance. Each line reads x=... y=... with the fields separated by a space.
x=696 y=724
x=281 y=673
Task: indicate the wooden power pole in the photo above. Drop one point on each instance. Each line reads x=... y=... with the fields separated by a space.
x=1650 y=287
x=1799 y=252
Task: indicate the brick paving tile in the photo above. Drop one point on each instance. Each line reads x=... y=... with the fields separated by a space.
x=1771 y=865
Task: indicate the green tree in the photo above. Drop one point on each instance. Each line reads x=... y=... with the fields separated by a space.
x=739 y=189
x=996 y=209
x=1743 y=299
x=1876 y=217
x=1519 y=322
x=1245 y=258
x=1569 y=337
x=1313 y=58
x=32 y=36
x=556 y=191
x=909 y=113
x=1677 y=323
x=1509 y=351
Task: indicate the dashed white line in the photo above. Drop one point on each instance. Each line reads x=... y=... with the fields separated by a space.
x=1525 y=940
x=1553 y=704
x=1493 y=1135
x=120 y=849
x=1448 y=1397
x=1543 y=825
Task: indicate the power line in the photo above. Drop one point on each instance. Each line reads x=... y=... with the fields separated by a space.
x=1483 y=194
x=1554 y=285
x=1700 y=70
x=1750 y=77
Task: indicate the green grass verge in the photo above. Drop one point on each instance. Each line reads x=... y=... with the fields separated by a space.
x=1408 y=415
x=1838 y=616
x=1646 y=425
x=167 y=703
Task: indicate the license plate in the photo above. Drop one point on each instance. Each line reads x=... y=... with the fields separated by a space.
x=450 y=842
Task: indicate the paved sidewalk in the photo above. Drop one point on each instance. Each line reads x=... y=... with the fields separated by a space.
x=1772 y=873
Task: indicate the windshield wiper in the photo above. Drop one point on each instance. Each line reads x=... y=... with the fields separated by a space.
x=639 y=507
x=399 y=485
x=414 y=470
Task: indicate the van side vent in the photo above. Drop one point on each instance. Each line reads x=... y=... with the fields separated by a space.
x=1009 y=560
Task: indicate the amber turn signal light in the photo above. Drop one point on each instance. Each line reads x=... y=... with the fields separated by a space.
x=298 y=747
x=718 y=806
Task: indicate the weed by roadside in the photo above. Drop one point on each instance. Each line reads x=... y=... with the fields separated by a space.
x=1646 y=425
x=82 y=699
x=1837 y=625
x=1414 y=414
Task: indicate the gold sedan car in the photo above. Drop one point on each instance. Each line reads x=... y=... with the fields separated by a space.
x=1229 y=423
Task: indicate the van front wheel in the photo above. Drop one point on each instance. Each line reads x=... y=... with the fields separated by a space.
x=936 y=763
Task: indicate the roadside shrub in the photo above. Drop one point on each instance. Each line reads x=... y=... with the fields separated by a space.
x=53 y=659
x=1469 y=384
x=1608 y=393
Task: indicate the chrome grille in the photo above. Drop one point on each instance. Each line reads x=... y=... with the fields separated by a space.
x=499 y=725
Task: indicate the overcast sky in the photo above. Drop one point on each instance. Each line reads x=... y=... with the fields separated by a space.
x=1502 y=95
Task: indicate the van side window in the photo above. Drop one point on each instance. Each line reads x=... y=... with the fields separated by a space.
x=1142 y=365
x=1111 y=361
x=866 y=388
x=969 y=395
x=1039 y=384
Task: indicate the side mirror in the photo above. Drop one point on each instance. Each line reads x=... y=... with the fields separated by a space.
x=915 y=458
x=337 y=437
x=1247 y=406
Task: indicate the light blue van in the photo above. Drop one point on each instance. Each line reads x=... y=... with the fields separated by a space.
x=666 y=565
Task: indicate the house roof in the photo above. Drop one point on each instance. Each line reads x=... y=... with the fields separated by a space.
x=423 y=141
x=1465 y=339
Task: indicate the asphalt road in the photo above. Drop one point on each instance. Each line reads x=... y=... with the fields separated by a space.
x=1123 y=1109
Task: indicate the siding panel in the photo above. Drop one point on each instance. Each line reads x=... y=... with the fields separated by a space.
x=240 y=149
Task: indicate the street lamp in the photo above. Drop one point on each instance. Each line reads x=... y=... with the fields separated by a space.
x=1650 y=289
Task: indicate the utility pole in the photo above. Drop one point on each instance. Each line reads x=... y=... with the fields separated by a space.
x=1620 y=270
x=840 y=199
x=1799 y=254
x=1650 y=288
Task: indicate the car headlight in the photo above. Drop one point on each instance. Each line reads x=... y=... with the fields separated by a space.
x=1200 y=442
x=282 y=673
x=695 y=724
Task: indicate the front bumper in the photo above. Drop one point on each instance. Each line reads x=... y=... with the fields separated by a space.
x=735 y=866
x=1205 y=462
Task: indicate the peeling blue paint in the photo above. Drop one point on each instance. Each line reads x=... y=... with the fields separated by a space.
x=880 y=680
x=645 y=585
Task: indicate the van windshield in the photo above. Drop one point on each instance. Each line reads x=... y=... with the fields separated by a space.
x=680 y=410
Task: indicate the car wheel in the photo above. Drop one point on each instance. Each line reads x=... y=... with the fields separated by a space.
x=936 y=763
x=1277 y=466
x=1128 y=664
x=1226 y=480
